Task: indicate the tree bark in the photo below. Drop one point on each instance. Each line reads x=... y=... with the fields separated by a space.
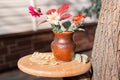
x=106 y=49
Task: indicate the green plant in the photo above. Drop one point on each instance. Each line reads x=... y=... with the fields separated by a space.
x=94 y=9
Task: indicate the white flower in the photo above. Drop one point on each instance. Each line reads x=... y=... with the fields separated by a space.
x=53 y=18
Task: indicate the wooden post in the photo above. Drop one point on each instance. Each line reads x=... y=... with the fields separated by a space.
x=34 y=20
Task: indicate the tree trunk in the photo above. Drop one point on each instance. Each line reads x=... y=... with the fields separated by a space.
x=106 y=49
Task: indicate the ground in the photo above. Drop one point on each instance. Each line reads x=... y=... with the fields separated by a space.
x=18 y=75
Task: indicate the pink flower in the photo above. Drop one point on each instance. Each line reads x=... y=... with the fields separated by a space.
x=34 y=12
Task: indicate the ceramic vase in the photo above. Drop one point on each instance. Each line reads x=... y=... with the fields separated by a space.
x=63 y=46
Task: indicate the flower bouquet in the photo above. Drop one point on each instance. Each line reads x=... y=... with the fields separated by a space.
x=63 y=27
x=57 y=18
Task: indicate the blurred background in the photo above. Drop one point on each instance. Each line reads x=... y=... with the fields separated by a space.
x=20 y=33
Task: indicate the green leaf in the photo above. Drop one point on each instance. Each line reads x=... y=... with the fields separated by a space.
x=63 y=28
x=57 y=28
x=66 y=24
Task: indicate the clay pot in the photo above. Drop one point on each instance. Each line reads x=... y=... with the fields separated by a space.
x=63 y=46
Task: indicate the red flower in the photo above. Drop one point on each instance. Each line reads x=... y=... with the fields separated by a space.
x=77 y=19
x=61 y=10
x=34 y=12
x=49 y=12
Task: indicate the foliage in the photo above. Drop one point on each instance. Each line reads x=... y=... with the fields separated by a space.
x=94 y=9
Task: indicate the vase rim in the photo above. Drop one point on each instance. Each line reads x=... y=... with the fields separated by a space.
x=64 y=32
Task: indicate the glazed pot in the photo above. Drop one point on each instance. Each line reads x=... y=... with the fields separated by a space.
x=63 y=46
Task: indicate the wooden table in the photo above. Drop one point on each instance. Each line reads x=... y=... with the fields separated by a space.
x=65 y=69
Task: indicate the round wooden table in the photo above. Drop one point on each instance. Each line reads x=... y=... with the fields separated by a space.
x=65 y=69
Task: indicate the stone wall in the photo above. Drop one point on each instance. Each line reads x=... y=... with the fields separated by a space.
x=14 y=46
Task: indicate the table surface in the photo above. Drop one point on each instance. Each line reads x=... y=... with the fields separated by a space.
x=64 y=69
